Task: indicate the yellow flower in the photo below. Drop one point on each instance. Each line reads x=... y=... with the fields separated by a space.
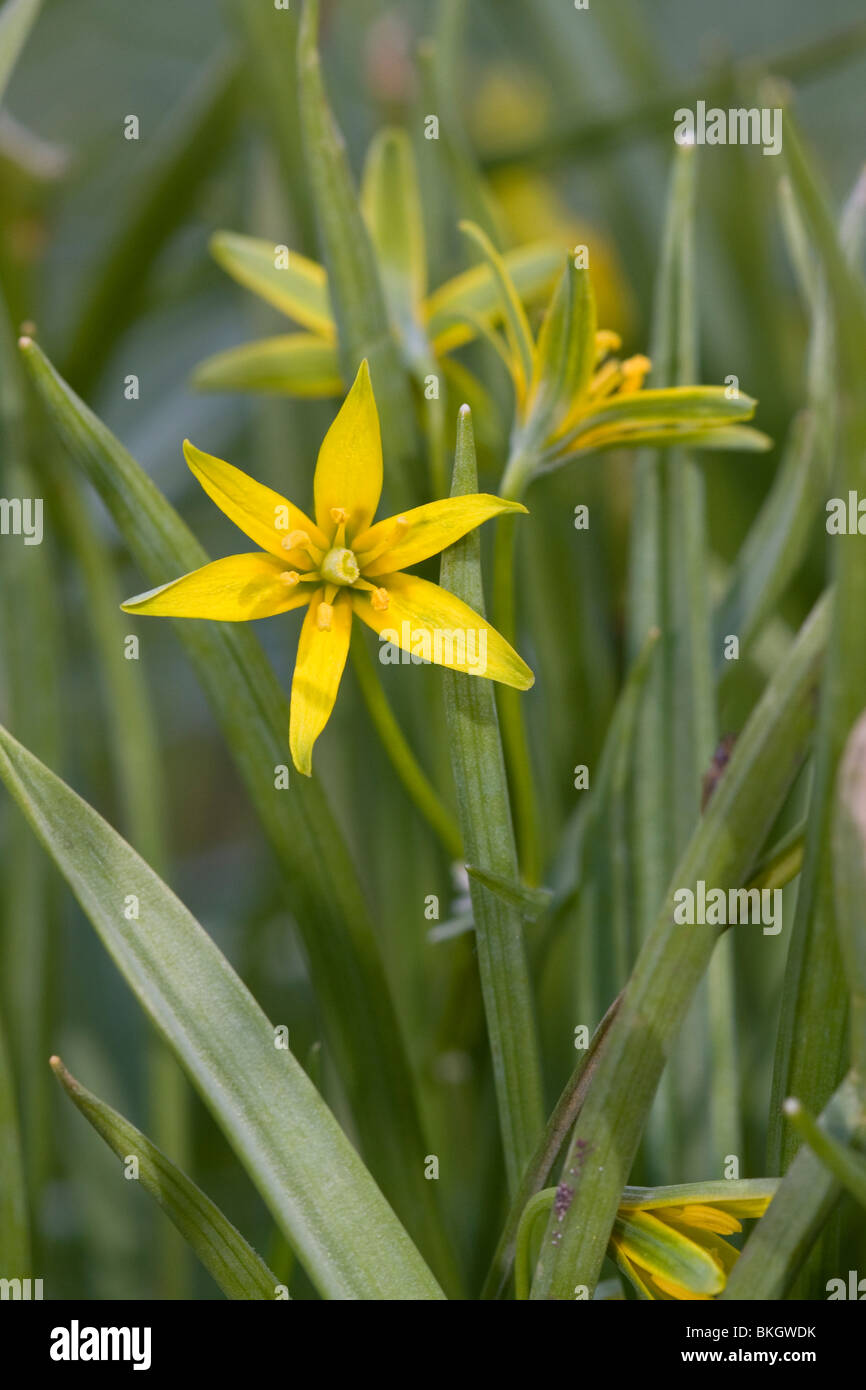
x=669 y=1241
x=573 y=395
x=339 y=565
x=428 y=326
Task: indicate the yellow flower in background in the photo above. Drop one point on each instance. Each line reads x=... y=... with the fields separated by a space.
x=428 y=326
x=670 y=1241
x=574 y=396
x=340 y=565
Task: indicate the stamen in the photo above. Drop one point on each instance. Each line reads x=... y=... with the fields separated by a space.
x=340 y=516
x=324 y=614
x=606 y=341
x=606 y=379
x=395 y=533
x=380 y=600
x=300 y=540
x=290 y=578
x=634 y=372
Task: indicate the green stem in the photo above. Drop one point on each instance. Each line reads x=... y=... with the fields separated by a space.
x=542 y=1201
x=539 y=1166
x=403 y=760
x=488 y=837
x=515 y=740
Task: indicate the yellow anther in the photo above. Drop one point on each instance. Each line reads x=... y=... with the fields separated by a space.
x=290 y=578
x=380 y=600
x=324 y=614
x=634 y=372
x=606 y=341
x=606 y=379
x=296 y=540
x=339 y=514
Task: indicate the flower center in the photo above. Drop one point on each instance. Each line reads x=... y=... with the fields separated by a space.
x=340 y=567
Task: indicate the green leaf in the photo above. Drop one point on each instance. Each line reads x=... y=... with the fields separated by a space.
x=348 y=1238
x=541 y=1163
x=485 y=821
x=811 y=1046
x=741 y=811
x=355 y=288
x=846 y=1166
x=512 y=311
x=565 y=360
x=226 y=1256
x=289 y=281
x=322 y=883
x=391 y=203
x=849 y=863
x=14 y=1221
x=17 y=18
x=529 y=902
x=32 y=684
x=295 y=364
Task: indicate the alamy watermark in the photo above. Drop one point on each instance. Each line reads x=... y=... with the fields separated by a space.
x=739 y=125
x=463 y=647
x=22 y=516
x=716 y=907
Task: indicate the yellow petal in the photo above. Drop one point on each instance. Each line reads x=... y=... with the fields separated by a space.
x=428 y=530
x=424 y=619
x=322 y=655
x=232 y=590
x=680 y=1292
x=349 y=467
x=293 y=284
x=703 y=1217
x=295 y=364
x=262 y=514
x=668 y=1254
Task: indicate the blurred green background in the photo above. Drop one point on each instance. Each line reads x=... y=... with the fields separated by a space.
x=570 y=116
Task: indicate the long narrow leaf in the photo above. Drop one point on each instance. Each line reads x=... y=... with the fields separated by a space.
x=231 y=1261
x=350 y=1241
x=485 y=820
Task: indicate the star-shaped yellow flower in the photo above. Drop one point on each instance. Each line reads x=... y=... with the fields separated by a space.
x=338 y=565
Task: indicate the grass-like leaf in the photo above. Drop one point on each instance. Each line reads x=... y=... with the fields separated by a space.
x=226 y=1256
x=485 y=820
x=348 y=1238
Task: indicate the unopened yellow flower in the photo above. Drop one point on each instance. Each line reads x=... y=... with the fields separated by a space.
x=339 y=565
x=670 y=1241
x=574 y=396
